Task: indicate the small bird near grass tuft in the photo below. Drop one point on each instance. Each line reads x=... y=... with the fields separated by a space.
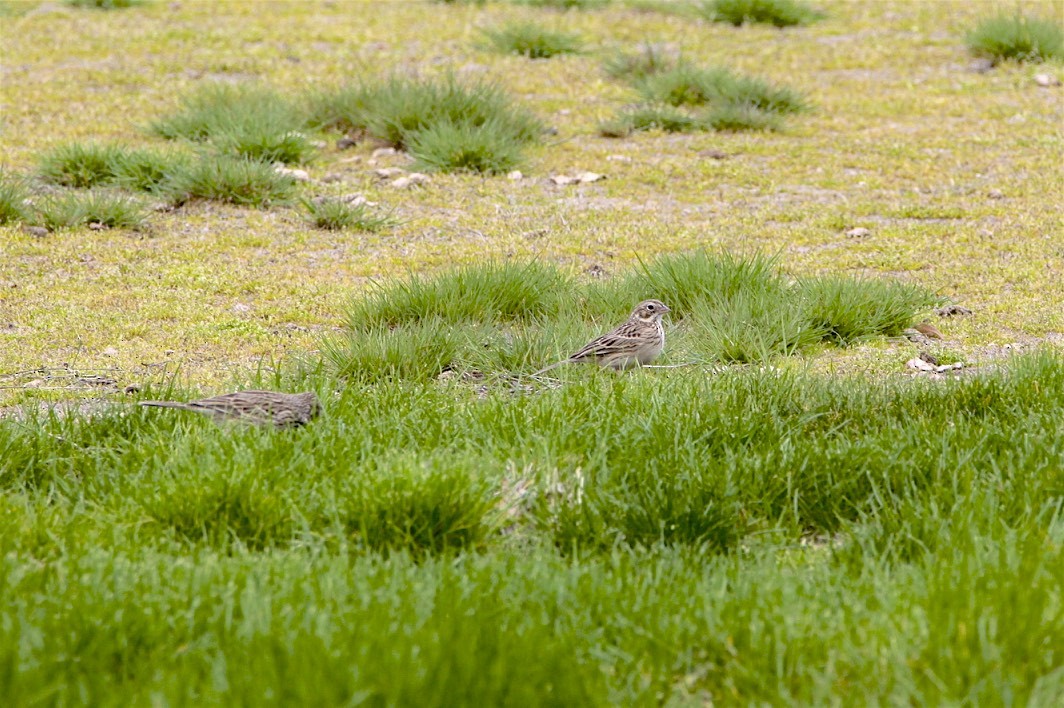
x=637 y=342
x=282 y=410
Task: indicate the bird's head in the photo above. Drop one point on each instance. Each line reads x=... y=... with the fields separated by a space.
x=650 y=310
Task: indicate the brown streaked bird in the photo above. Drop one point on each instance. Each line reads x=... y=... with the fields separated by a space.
x=928 y=330
x=282 y=410
x=637 y=342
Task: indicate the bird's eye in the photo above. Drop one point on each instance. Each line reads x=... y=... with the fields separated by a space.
x=650 y=307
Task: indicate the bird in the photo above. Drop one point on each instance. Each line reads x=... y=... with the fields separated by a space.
x=928 y=330
x=282 y=410
x=637 y=342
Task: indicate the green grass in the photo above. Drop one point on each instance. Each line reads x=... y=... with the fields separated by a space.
x=447 y=125
x=490 y=148
x=69 y=210
x=491 y=319
x=781 y=521
x=336 y=214
x=533 y=41
x=230 y=180
x=14 y=194
x=1017 y=37
x=85 y=165
x=243 y=120
x=688 y=85
x=778 y=13
x=644 y=525
x=633 y=67
x=682 y=97
x=81 y=164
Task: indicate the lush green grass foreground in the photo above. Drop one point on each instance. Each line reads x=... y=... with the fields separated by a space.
x=668 y=536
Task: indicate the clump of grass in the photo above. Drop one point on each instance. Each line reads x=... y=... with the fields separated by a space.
x=13 y=199
x=649 y=117
x=231 y=180
x=651 y=59
x=1025 y=39
x=418 y=506
x=486 y=292
x=686 y=98
x=533 y=41
x=248 y=121
x=336 y=214
x=70 y=210
x=222 y=509
x=779 y=13
x=81 y=165
x=741 y=117
x=446 y=147
x=86 y=165
x=447 y=125
x=847 y=309
x=688 y=85
x=147 y=170
x=417 y=351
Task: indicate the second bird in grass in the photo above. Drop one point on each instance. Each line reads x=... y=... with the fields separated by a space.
x=283 y=410
x=637 y=342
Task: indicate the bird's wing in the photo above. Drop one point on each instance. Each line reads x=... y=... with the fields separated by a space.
x=611 y=343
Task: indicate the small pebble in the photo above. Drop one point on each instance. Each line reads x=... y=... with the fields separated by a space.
x=858 y=232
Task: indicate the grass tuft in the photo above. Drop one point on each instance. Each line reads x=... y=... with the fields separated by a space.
x=81 y=165
x=336 y=214
x=651 y=59
x=418 y=506
x=14 y=194
x=687 y=98
x=487 y=292
x=490 y=148
x=92 y=165
x=245 y=120
x=231 y=180
x=447 y=125
x=1025 y=39
x=417 y=351
x=848 y=309
x=533 y=41
x=779 y=13
x=70 y=210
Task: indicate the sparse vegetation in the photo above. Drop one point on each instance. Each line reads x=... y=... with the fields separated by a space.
x=779 y=13
x=1017 y=37
x=533 y=41
x=334 y=214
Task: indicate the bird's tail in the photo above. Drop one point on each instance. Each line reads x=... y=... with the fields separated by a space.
x=163 y=404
